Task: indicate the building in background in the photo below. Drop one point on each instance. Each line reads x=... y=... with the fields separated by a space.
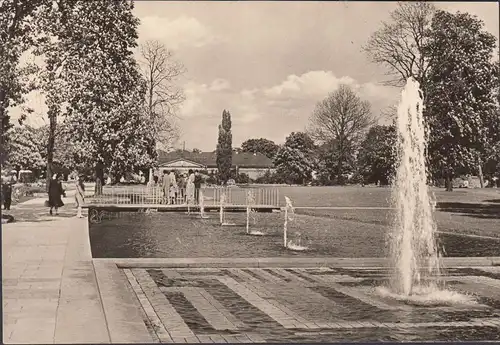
x=254 y=165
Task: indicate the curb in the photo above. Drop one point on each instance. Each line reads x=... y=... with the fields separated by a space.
x=287 y=262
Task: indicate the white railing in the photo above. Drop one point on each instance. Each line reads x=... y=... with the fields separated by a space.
x=144 y=195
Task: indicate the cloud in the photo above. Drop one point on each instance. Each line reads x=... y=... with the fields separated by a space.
x=272 y=111
x=178 y=33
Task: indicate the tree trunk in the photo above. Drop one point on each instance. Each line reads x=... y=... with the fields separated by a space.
x=50 y=144
x=480 y=170
x=449 y=183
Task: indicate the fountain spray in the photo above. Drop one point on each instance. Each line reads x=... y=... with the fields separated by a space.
x=221 y=211
x=412 y=243
x=202 y=206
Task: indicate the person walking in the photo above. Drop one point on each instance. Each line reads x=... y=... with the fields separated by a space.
x=165 y=186
x=7 y=189
x=190 y=187
x=197 y=186
x=56 y=191
x=80 y=196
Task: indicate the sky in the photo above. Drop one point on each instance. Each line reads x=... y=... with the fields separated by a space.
x=269 y=63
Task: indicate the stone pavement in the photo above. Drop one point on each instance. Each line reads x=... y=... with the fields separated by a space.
x=322 y=304
x=49 y=289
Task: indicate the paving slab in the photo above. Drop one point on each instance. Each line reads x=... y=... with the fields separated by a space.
x=266 y=302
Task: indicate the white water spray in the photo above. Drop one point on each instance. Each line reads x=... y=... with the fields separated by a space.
x=251 y=214
x=221 y=210
x=203 y=215
x=414 y=251
x=413 y=239
x=289 y=216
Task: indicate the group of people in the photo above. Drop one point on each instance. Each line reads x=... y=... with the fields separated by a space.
x=56 y=192
x=179 y=188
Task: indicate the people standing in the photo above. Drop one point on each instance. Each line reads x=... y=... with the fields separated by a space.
x=197 y=186
x=7 y=189
x=55 y=193
x=181 y=184
x=190 y=187
x=165 y=186
x=173 y=187
x=80 y=196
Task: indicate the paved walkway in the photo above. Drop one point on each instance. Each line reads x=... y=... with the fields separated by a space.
x=50 y=294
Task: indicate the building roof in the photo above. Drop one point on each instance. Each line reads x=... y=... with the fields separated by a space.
x=208 y=159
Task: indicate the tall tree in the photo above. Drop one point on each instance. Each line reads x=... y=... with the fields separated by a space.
x=341 y=119
x=163 y=97
x=377 y=155
x=263 y=146
x=461 y=108
x=18 y=33
x=104 y=91
x=398 y=45
x=295 y=160
x=224 y=151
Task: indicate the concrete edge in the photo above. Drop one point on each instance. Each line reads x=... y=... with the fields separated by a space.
x=287 y=262
x=120 y=305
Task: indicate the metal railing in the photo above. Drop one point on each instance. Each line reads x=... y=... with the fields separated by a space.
x=155 y=195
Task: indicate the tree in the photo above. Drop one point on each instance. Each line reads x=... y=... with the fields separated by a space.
x=340 y=121
x=224 y=151
x=90 y=65
x=263 y=146
x=377 y=155
x=398 y=45
x=295 y=160
x=328 y=158
x=18 y=33
x=462 y=82
x=24 y=152
x=162 y=96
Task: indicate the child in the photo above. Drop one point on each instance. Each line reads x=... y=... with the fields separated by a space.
x=173 y=194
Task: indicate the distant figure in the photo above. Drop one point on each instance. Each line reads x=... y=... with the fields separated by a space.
x=181 y=184
x=165 y=186
x=173 y=194
x=80 y=196
x=197 y=186
x=190 y=187
x=155 y=179
x=7 y=189
x=55 y=193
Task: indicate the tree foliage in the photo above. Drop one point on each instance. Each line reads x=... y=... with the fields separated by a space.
x=398 y=45
x=18 y=33
x=24 y=150
x=163 y=97
x=377 y=155
x=263 y=146
x=339 y=122
x=93 y=80
x=295 y=160
x=224 y=151
x=461 y=106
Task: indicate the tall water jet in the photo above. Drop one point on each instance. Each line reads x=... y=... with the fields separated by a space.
x=414 y=252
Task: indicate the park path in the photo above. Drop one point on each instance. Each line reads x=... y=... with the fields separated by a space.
x=49 y=290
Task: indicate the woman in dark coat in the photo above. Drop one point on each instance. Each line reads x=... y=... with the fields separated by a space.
x=55 y=193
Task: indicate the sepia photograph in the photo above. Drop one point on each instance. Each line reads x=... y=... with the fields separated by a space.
x=249 y=171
